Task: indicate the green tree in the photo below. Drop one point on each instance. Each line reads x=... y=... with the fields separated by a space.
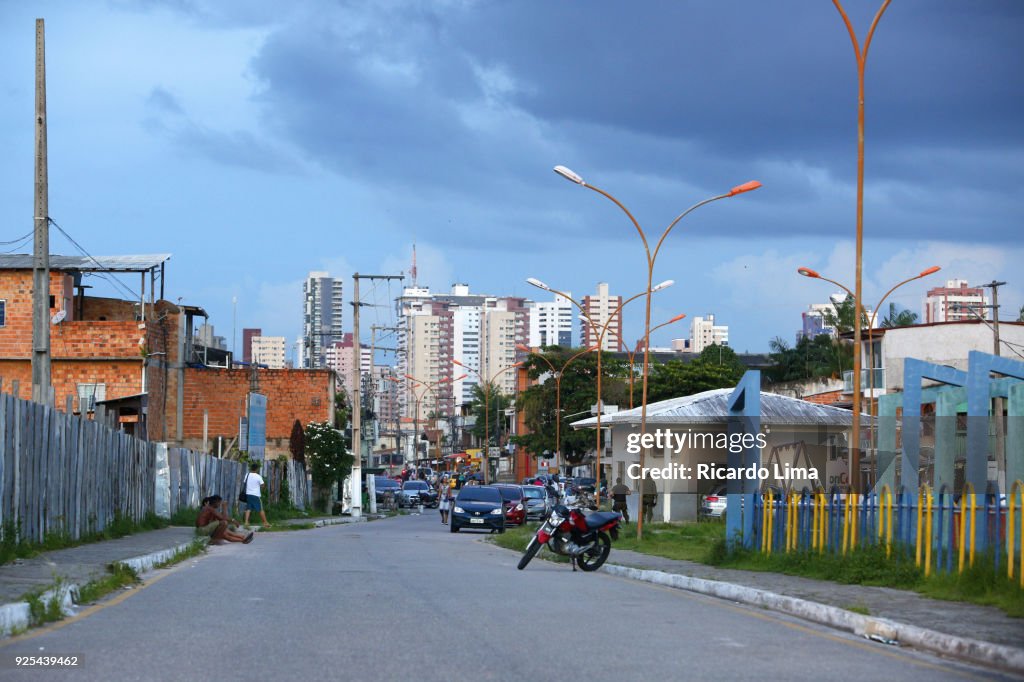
x=819 y=357
x=677 y=378
x=327 y=453
x=843 y=316
x=490 y=420
x=579 y=393
x=899 y=318
x=1020 y=316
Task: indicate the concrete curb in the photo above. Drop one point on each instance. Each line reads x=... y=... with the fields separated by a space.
x=16 y=615
x=976 y=651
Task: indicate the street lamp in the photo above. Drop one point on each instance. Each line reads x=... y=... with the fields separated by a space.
x=861 y=54
x=807 y=272
x=428 y=386
x=487 y=410
x=558 y=388
x=600 y=343
x=636 y=349
x=651 y=257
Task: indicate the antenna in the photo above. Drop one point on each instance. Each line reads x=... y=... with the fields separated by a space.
x=412 y=272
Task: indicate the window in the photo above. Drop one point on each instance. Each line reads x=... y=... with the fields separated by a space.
x=3 y=313
x=88 y=394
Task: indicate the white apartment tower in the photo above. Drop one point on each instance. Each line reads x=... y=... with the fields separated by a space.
x=269 y=351
x=955 y=302
x=322 y=315
x=551 y=322
x=704 y=332
x=600 y=307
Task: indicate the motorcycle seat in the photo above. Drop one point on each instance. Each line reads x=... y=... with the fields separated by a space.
x=598 y=519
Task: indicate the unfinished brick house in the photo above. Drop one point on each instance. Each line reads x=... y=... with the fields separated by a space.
x=141 y=360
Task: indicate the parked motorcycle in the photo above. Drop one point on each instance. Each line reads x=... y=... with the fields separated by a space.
x=585 y=538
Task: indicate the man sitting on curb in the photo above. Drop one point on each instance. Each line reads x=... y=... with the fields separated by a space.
x=213 y=522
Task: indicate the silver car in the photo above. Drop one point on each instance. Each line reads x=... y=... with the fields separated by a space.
x=537 y=503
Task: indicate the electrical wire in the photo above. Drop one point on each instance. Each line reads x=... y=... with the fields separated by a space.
x=19 y=239
x=112 y=280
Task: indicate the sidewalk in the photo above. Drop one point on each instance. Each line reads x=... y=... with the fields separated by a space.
x=978 y=633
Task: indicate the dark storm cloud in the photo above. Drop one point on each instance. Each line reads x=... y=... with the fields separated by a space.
x=464 y=107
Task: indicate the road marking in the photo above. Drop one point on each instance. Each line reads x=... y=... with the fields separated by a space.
x=872 y=648
x=88 y=611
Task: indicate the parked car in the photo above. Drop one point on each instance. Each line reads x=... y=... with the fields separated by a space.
x=713 y=505
x=415 y=492
x=515 y=509
x=535 y=498
x=382 y=485
x=478 y=506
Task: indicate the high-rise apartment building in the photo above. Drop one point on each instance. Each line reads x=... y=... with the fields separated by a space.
x=551 y=322
x=600 y=307
x=817 y=319
x=247 y=336
x=268 y=350
x=339 y=356
x=479 y=331
x=704 y=332
x=322 y=317
x=955 y=302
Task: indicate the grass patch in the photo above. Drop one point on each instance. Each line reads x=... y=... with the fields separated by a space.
x=277 y=512
x=687 y=541
x=858 y=608
x=42 y=611
x=12 y=548
x=194 y=548
x=120 y=576
x=284 y=527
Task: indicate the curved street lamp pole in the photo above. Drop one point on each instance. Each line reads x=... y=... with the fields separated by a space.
x=486 y=390
x=861 y=54
x=631 y=354
x=652 y=255
x=807 y=272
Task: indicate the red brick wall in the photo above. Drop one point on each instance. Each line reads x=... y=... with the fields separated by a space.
x=292 y=394
x=94 y=308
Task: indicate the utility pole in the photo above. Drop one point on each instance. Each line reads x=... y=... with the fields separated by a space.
x=997 y=407
x=41 y=248
x=357 y=402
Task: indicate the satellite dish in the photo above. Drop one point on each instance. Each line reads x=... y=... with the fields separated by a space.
x=59 y=316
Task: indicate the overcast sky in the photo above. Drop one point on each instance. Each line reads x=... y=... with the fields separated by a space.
x=257 y=140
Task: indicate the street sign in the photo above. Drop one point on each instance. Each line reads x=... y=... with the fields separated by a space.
x=257 y=425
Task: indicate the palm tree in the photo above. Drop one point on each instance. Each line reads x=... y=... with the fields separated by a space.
x=902 y=318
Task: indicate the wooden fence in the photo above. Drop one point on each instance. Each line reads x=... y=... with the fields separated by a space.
x=61 y=474
x=193 y=475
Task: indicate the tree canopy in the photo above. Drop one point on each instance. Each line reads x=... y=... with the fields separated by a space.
x=820 y=357
x=899 y=317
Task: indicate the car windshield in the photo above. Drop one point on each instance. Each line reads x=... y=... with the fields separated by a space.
x=479 y=493
x=511 y=493
x=415 y=485
x=534 y=493
x=385 y=483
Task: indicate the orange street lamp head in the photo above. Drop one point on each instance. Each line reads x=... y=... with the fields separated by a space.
x=930 y=271
x=460 y=378
x=456 y=362
x=525 y=349
x=676 y=318
x=569 y=175
x=537 y=283
x=745 y=187
x=807 y=272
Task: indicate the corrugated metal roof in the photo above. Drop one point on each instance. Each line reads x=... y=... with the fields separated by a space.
x=138 y=263
x=712 y=407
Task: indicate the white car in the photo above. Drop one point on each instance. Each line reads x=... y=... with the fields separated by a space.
x=712 y=505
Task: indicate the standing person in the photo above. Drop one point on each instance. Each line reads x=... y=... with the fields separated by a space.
x=650 y=499
x=212 y=521
x=619 y=493
x=253 y=483
x=447 y=494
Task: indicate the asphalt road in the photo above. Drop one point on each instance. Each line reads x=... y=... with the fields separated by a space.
x=404 y=599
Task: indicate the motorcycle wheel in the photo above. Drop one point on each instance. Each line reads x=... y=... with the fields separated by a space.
x=531 y=551
x=593 y=559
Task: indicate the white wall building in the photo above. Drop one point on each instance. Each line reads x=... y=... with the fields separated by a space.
x=269 y=351
x=551 y=322
x=704 y=332
x=955 y=301
x=600 y=307
x=322 y=310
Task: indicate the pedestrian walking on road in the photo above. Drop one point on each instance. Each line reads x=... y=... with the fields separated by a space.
x=214 y=522
x=447 y=493
x=253 y=483
x=619 y=493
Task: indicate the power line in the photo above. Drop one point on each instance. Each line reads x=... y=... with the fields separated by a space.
x=113 y=280
x=19 y=239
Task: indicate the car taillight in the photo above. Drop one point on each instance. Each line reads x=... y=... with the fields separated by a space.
x=711 y=498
